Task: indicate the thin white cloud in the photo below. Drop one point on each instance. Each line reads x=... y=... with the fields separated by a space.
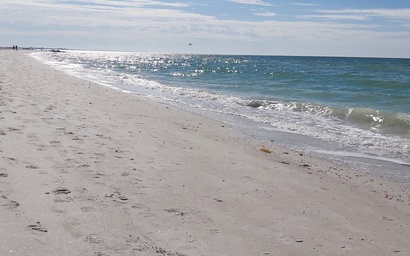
x=129 y=3
x=397 y=14
x=335 y=17
x=304 y=4
x=265 y=14
x=252 y=2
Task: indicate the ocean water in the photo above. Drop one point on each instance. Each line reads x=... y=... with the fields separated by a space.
x=354 y=111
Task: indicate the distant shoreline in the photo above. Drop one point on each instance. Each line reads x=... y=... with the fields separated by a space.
x=33 y=48
x=217 y=54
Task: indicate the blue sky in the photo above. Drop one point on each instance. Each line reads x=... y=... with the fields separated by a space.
x=377 y=28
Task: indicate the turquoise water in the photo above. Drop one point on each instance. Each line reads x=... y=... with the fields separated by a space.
x=340 y=107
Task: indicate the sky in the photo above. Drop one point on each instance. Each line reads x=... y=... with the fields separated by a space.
x=363 y=28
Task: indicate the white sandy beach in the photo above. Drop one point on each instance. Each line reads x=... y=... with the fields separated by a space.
x=88 y=170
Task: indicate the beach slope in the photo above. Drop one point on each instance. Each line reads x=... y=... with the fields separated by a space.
x=88 y=170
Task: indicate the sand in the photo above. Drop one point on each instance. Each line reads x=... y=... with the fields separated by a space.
x=88 y=170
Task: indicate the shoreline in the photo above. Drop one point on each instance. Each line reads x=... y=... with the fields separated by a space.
x=375 y=155
x=87 y=169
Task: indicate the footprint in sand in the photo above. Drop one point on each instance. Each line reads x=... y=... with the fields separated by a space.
x=176 y=212
x=49 y=108
x=76 y=138
x=87 y=208
x=42 y=147
x=60 y=199
x=37 y=227
x=32 y=136
x=12 y=129
x=61 y=195
x=59 y=191
x=68 y=133
x=31 y=166
x=11 y=159
x=121 y=199
x=11 y=204
x=55 y=143
x=93 y=239
x=100 y=254
x=98 y=175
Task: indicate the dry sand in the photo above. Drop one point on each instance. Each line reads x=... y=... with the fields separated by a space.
x=88 y=170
